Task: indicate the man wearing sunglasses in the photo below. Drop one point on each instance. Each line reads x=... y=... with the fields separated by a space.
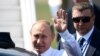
x=96 y=10
x=70 y=23
x=86 y=34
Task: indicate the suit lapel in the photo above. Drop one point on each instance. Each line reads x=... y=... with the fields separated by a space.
x=90 y=51
x=91 y=46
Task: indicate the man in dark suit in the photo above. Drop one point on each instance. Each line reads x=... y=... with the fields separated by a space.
x=87 y=34
x=70 y=23
x=96 y=11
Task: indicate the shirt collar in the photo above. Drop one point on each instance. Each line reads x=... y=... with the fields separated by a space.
x=46 y=53
x=86 y=36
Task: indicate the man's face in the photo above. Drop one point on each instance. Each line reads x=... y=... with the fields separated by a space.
x=41 y=37
x=83 y=20
x=79 y=1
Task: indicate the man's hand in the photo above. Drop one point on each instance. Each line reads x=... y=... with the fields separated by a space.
x=60 y=22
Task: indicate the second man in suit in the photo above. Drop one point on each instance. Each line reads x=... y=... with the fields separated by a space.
x=83 y=19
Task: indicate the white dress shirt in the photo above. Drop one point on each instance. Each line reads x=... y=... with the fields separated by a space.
x=54 y=52
x=71 y=43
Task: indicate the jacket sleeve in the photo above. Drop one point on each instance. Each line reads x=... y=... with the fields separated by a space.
x=70 y=44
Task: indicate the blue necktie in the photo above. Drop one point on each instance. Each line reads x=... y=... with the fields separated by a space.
x=81 y=41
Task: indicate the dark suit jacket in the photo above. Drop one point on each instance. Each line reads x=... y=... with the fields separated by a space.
x=71 y=26
x=94 y=46
x=6 y=41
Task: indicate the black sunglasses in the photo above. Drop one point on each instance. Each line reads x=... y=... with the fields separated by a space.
x=84 y=19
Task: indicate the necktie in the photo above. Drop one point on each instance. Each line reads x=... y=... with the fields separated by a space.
x=83 y=45
x=81 y=41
